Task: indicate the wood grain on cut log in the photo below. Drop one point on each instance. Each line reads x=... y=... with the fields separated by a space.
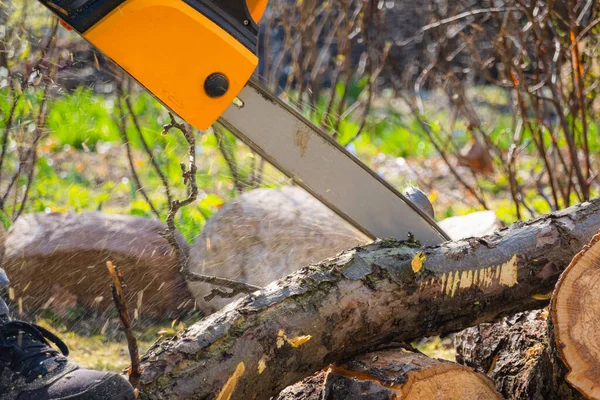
x=517 y=355
x=393 y=374
x=363 y=298
x=575 y=313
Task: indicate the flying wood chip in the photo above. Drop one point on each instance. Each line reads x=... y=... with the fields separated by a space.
x=417 y=262
x=294 y=342
x=231 y=383
x=299 y=340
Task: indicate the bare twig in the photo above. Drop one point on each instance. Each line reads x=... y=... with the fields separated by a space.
x=9 y=120
x=28 y=157
x=235 y=286
x=229 y=156
x=148 y=150
x=189 y=178
x=121 y=304
x=122 y=123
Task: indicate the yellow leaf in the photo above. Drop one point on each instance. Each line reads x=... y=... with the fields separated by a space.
x=417 y=262
x=299 y=340
x=281 y=338
x=229 y=387
x=262 y=364
x=433 y=196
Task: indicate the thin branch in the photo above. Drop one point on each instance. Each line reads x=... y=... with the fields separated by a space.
x=229 y=159
x=456 y=18
x=121 y=303
x=5 y=134
x=148 y=151
x=189 y=178
x=236 y=286
x=123 y=132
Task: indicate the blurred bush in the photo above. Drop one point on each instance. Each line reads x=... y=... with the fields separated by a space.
x=483 y=103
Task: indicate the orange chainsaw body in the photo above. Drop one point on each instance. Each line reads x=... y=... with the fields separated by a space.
x=184 y=58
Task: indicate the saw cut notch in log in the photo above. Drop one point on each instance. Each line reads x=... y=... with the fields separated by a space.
x=575 y=310
x=393 y=373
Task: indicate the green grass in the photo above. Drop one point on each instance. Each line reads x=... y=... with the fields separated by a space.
x=99 y=351
x=81 y=120
x=437 y=347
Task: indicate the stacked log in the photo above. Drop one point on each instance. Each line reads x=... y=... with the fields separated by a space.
x=517 y=354
x=394 y=373
x=363 y=298
x=545 y=355
x=575 y=312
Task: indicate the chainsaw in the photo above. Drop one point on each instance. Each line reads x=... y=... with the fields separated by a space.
x=197 y=57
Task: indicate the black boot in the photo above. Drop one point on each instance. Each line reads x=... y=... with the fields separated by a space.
x=30 y=369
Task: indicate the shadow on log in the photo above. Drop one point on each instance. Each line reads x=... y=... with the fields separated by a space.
x=363 y=298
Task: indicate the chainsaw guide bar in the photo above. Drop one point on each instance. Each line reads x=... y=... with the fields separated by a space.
x=317 y=163
x=196 y=56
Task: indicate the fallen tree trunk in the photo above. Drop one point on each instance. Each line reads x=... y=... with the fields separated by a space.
x=365 y=297
x=393 y=373
x=518 y=355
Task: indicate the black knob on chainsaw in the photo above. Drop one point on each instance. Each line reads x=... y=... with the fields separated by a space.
x=216 y=85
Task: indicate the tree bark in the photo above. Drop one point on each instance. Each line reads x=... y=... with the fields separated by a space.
x=518 y=355
x=362 y=298
x=393 y=373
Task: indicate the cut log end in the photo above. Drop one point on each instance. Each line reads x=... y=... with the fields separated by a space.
x=448 y=382
x=394 y=373
x=575 y=310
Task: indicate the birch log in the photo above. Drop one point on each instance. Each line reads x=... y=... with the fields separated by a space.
x=362 y=298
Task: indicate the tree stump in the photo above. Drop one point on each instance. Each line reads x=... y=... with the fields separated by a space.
x=575 y=311
x=390 y=374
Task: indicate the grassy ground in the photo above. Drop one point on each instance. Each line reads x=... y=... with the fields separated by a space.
x=437 y=347
x=100 y=344
x=99 y=352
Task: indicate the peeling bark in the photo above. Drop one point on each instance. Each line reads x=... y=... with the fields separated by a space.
x=518 y=355
x=393 y=374
x=362 y=298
